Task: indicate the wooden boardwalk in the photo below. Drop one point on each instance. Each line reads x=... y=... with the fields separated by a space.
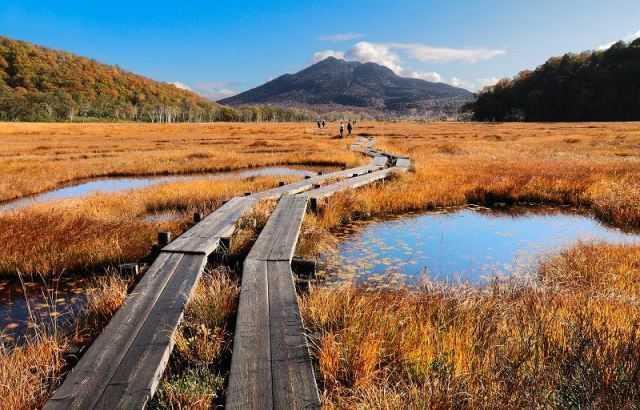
x=271 y=366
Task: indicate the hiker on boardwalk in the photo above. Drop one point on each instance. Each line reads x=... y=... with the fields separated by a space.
x=341 y=130
x=323 y=124
x=318 y=124
x=349 y=128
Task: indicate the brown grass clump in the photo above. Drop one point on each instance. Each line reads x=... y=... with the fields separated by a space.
x=25 y=373
x=53 y=241
x=104 y=296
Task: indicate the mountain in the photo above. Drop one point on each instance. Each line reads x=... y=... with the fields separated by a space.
x=601 y=85
x=335 y=84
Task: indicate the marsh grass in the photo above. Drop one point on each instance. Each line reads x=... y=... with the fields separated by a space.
x=570 y=340
x=30 y=370
x=39 y=157
x=104 y=230
x=507 y=346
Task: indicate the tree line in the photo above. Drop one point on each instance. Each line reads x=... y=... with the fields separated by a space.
x=590 y=86
x=41 y=84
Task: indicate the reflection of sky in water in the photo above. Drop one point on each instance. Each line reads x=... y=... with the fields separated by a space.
x=110 y=185
x=465 y=245
x=47 y=304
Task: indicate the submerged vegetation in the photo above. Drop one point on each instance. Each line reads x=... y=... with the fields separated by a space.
x=567 y=339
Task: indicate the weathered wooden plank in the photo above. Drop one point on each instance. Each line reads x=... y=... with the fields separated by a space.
x=250 y=384
x=352 y=183
x=204 y=237
x=284 y=247
x=278 y=238
x=90 y=376
x=293 y=379
x=137 y=377
x=305 y=185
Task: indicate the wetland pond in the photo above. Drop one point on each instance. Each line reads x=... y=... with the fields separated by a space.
x=468 y=245
x=112 y=185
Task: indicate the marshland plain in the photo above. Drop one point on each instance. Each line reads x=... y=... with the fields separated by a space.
x=567 y=338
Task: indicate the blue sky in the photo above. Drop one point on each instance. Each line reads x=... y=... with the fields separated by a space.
x=220 y=47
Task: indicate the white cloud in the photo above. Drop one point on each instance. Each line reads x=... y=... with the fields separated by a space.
x=423 y=52
x=321 y=55
x=428 y=76
x=214 y=90
x=181 y=86
x=341 y=37
x=382 y=54
x=486 y=82
x=627 y=38
x=473 y=85
x=394 y=55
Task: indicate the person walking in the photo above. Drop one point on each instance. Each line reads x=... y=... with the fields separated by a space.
x=341 y=130
x=318 y=123
x=349 y=128
x=323 y=124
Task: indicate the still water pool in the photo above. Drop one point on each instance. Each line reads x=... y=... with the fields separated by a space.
x=111 y=185
x=469 y=245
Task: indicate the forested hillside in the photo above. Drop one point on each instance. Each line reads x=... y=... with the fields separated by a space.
x=591 y=86
x=41 y=84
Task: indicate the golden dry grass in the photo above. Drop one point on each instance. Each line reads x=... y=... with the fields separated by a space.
x=572 y=341
x=460 y=348
x=38 y=157
x=28 y=372
x=25 y=374
x=486 y=163
x=106 y=229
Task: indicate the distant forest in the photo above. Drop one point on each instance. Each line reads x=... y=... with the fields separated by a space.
x=590 y=86
x=41 y=84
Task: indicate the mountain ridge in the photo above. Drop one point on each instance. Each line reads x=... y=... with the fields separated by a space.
x=338 y=84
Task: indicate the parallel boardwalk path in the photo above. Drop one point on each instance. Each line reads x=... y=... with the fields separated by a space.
x=271 y=365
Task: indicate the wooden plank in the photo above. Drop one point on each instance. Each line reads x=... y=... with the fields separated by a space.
x=293 y=379
x=352 y=183
x=204 y=237
x=250 y=377
x=278 y=238
x=137 y=377
x=90 y=376
x=284 y=247
x=252 y=381
x=307 y=184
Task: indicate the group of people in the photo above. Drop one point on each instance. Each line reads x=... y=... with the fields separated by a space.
x=322 y=124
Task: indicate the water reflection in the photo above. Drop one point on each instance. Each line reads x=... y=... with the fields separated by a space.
x=25 y=305
x=464 y=245
x=110 y=185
